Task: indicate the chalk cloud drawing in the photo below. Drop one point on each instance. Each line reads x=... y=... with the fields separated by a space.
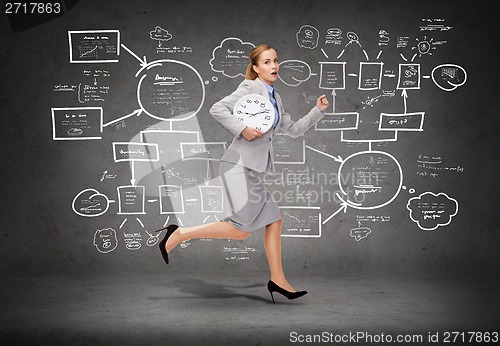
x=307 y=37
x=430 y=210
x=360 y=233
x=231 y=57
x=160 y=34
x=105 y=240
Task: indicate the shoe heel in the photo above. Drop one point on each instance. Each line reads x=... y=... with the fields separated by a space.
x=271 y=289
x=272 y=297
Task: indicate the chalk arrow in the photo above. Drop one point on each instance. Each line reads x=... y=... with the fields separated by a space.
x=334 y=94
x=142 y=61
x=136 y=112
x=336 y=158
x=207 y=179
x=132 y=181
x=343 y=207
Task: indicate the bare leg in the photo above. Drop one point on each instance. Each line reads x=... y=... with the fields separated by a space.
x=221 y=230
x=272 y=244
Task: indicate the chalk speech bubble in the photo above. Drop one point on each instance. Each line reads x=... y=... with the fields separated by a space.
x=90 y=203
x=105 y=240
x=430 y=211
x=307 y=37
x=360 y=233
x=448 y=77
x=231 y=57
x=294 y=72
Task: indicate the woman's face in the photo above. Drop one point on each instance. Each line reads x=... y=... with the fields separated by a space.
x=267 y=66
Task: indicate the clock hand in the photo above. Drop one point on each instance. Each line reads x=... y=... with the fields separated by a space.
x=254 y=114
x=264 y=111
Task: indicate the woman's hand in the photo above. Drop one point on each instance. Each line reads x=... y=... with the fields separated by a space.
x=250 y=133
x=322 y=103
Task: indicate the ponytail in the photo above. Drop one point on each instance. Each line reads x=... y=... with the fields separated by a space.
x=254 y=57
x=250 y=73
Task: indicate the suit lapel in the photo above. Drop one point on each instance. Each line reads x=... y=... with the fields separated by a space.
x=263 y=89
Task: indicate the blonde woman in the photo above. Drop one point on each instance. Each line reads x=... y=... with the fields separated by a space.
x=249 y=155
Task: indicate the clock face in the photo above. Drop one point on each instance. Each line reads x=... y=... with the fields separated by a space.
x=255 y=111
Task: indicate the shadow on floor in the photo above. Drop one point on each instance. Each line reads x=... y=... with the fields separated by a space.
x=204 y=289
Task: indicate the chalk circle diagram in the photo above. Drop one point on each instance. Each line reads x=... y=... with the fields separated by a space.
x=352 y=36
x=448 y=77
x=152 y=239
x=294 y=72
x=370 y=179
x=170 y=90
x=90 y=203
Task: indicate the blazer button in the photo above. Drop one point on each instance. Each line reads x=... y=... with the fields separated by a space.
x=269 y=139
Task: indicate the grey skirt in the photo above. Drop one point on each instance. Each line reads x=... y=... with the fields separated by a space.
x=248 y=205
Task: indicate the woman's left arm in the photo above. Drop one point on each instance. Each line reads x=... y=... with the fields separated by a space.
x=297 y=128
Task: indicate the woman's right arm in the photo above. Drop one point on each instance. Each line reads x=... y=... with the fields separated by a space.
x=222 y=111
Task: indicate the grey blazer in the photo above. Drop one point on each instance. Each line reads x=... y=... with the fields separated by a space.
x=256 y=153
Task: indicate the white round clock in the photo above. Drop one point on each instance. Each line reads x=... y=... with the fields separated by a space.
x=255 y=111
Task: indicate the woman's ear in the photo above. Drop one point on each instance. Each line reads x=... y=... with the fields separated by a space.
x=255 y=68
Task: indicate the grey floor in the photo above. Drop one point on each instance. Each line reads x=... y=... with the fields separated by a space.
x=236 y=309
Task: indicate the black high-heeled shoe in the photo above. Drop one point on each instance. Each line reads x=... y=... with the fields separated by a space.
x=170 y=229
x=272 y=287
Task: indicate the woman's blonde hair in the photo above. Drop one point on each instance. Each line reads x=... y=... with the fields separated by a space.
x=254 y=57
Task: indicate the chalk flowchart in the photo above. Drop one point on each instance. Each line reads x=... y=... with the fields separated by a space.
x=172 y=169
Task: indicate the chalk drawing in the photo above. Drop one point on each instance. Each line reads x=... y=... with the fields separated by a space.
x=430 y=211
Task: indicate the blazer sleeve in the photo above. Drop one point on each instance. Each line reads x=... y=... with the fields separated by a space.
x=222 y=111
x=297 y=128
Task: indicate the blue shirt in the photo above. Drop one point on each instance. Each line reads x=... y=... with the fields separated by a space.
x=270 y=91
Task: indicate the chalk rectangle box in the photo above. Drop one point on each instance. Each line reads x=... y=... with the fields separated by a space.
x=76 y=123
x=338 y=122
x=301 y=222
x=94 y=46
x=132 y=151
x=212 y=151
x=131 y=200
x=401 y=122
